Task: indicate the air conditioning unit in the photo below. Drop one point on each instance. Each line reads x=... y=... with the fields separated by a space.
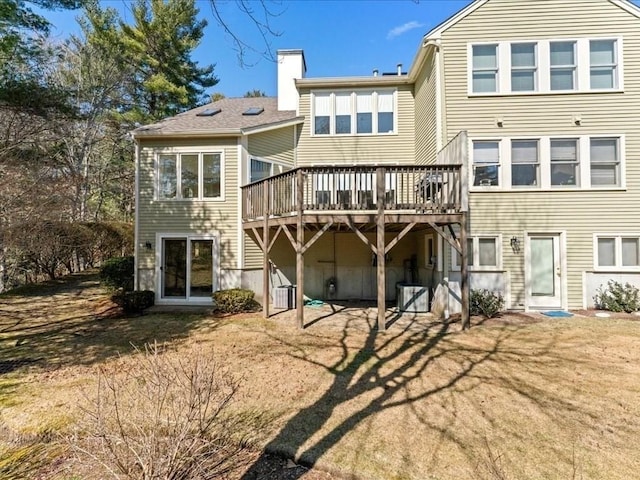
x=284 y=296
x=413 y=298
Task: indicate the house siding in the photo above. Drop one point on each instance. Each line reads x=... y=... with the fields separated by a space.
x=277 y=145
x=360 y=149
x=426 y=112
x=578 y=213
x=186 y=216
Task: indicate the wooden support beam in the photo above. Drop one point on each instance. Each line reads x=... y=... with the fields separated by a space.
x=381 y=270
x=464 y=273
x=453 y=233
x=292 y=240
x=258 y=238
x=444 y=235
x=316 y=237
x=265 y=253
x=299 y=252
x=275 y=237
x=399 y=237
x=361 y=236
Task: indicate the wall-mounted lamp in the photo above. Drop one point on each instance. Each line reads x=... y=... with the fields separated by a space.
x=577 y=120
x=148 y=246
x=499 y=121
x=515 y=244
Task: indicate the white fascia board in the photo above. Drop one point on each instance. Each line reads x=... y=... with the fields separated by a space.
x=435 y=33
x=336 y=82
x=272 y=126
x=627 y=6
x=232 y=132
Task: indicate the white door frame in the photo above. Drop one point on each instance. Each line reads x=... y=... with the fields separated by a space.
x=159 y=260
x=562 y=259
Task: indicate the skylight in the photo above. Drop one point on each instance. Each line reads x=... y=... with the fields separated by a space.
x=208 y=112
x=253 y=111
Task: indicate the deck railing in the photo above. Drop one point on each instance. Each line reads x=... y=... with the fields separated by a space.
x=419 y=188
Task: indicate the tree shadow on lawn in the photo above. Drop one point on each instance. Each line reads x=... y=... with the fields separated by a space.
x=77 y=324
x=405 y=369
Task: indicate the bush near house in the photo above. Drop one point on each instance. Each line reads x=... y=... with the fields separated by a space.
x=117 y=273
x=486 y=303
x=234 y=300
x=134 y=302
x=617 y=297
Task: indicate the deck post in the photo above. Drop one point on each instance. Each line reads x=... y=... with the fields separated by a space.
x=381 y=280
x=299 y=250
x=265 y=251
x=464 y=272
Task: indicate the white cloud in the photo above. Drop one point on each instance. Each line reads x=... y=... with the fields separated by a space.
x=400 y=29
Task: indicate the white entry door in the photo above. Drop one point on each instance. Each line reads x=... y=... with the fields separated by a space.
x=544 y=282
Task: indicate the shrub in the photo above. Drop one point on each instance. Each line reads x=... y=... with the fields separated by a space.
x=486 y=303
x=117 y=273
x=234 y=300
x=618 y=297
x=135 y=302
x=162 y=415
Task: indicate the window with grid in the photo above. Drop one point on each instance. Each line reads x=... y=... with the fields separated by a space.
x=189 y=176
x=603 y=64
x=564 y=162
x=563 y=65
x=605 y=162
x=523 y=67
x=485 y=68
x=486 y=163
x=525 y=163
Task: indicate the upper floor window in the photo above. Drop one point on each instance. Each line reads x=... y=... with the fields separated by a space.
x=562 y=65
x=485 y=68
x=603 y=64
x=354 y=112
x=190 y=176
x=523 y=67
x=605 y=162
x=549 y=162
x=545 y=66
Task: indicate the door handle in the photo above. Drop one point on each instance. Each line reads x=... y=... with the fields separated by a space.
x=558 y=272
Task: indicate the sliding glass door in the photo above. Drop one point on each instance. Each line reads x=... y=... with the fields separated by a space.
x=188 y=268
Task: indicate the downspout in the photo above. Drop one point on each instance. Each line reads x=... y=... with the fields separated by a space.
x=439 y=68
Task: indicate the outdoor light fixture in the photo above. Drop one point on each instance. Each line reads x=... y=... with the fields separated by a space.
x=515 y=244
x=148 y=246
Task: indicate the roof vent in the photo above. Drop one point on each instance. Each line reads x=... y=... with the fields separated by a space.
x=253 y=111
x=208 y=112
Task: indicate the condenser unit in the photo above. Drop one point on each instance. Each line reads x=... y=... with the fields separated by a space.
x=413 y=298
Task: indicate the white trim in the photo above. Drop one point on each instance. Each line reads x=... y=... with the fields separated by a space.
x=242 y=155
x=136 y=225
x=544 y=158
x=439 y=98
x=618 y=267
x=584 y=290
x=178 y=155
x=562 y=259
x=627 y=7
x=476 y=254
x=160 y=236
x=436 y=32
x=354 y=112
x=582 y=78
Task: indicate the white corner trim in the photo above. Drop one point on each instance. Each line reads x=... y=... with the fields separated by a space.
x=136 y=225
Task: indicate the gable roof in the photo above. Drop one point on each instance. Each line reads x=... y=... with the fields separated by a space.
x=230 y=121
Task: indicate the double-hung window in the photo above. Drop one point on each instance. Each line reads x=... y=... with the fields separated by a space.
x=385 y=112
x=322 y=113
x=485 y=68
x=617 y=251
x=486 y=163
x=562 y=65
x=564 y=162
x=603 y=64
x=259 y=170
x=189 y=176
x=605 y=162
x=525 y=163
x=364 y=112
x=343 y=113
x=523 y=67
x=483 y=253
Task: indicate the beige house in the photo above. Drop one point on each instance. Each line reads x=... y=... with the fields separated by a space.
x=511 y=144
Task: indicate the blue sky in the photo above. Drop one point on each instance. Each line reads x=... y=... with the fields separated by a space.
x=348 y=37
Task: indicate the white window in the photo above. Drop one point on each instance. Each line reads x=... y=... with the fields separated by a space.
x=523 y=67
x=525 y=163
x=190 y=176
x=485 y=68
x=564 y=162
x=531 y=67
x=354 y=113
x=619 y=252
x=563 y=65
x=603 y=64
x=259 y=170
x=605 y=162
x=484 y=253
x=486 y=163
